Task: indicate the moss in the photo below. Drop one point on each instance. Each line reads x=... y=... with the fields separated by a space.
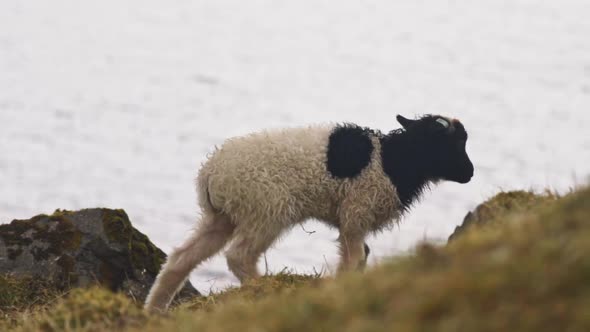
x=56 y=230
x=117 y=226
x=64 y=237
x=144 y=255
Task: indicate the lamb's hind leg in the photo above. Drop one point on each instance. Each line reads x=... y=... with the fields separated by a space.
x=246 y=249
x=211 y=236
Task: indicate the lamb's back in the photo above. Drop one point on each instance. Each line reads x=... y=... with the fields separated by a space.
x=265 y=170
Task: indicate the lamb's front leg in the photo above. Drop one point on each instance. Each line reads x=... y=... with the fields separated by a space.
x=352 y=251
x=364 y=262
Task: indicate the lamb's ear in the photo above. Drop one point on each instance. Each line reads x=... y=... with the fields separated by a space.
x=404 y=122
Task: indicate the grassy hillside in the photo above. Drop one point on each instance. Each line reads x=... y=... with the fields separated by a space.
x=527 y=269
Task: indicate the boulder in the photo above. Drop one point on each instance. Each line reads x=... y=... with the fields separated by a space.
x=83 y=248
x=497 y=208
x=472 y=217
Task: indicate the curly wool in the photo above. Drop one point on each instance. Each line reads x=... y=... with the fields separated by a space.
x=271 y=180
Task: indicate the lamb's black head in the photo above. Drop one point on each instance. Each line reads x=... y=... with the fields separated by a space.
x=440 y=146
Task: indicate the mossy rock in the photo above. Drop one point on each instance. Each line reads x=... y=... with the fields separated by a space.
x=143 y=253
x=511 y=202
x=83 y=248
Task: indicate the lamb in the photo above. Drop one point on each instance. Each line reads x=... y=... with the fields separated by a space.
x=255 y=188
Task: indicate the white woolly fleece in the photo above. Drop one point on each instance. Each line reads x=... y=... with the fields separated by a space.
x=268 y=181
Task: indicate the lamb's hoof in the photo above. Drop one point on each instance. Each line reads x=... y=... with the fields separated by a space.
x=363 y=263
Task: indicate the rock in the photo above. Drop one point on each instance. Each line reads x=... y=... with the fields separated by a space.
x=499 y=206
x=83 y=248
x=469 y=219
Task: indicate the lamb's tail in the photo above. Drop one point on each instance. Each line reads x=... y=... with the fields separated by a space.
x=203 y=194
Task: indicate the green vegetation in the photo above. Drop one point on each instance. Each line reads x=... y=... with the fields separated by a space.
x=144 y=255
x=525 y=270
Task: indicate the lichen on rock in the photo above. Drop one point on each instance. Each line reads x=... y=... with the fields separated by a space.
x=83 y=248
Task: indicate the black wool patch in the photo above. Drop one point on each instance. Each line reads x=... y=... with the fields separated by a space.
x=404 y=165
x=349 y=150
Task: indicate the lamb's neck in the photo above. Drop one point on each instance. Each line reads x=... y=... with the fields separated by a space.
x=405 y=164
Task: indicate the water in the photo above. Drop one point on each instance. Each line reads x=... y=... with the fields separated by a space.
x=116 y=103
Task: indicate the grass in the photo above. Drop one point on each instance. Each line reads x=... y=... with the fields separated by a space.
x=253 y=291
x=21 y=296
x=525 y=270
